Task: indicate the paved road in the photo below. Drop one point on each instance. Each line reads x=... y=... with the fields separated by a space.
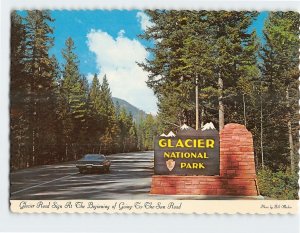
x=129 y=178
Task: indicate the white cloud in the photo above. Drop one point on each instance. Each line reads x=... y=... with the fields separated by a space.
x=144 y=20
x=117 y=59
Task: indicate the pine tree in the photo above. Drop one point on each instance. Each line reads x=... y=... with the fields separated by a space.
x=50 y=118
x=56 y=147
x=128 y=132
x=109 y=125
x=280 y=74
x=166 y=70
x=74 y=102
x=18 y=95
x=95 y=126
x=191 y=45
x=150 y=132
x=132 y=137
x=230 y=42
x=39 y=69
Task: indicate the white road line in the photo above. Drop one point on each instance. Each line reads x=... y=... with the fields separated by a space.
x=43 y=183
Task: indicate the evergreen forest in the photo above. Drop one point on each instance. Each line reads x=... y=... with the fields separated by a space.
x=242 y=77
x=57 y=115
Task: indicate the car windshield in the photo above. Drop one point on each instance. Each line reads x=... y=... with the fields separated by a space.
x=94 y=157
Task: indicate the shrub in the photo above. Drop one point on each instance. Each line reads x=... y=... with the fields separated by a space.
x=279 y=185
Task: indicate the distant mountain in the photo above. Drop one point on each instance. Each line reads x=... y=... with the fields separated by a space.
x=137 y=113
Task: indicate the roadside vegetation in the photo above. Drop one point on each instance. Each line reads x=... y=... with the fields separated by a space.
x=55 y=114
x=242 y=77
x=280 y=185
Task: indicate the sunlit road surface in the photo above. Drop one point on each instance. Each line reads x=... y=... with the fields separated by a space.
x=129 y=178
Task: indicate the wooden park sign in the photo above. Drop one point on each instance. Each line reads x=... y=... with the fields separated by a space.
x=190 y=152
x=205 y=162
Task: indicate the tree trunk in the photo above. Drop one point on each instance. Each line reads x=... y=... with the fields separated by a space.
x=289 y=124
x=244 y=104
x=74 y=147
x=291 y=146
x=256 y=160
x=202 y=117
x=19 y=154
x=33 y=147
x=66 y=151
x=202 y=107
x=261 y=130
x=197 y=104
x=221 y=105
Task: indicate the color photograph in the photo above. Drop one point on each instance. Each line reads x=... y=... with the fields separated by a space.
x=153 y=105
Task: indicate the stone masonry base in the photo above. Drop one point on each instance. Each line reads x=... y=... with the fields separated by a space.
x=203 y=185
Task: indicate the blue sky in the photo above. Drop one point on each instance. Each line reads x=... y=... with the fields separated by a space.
x=258 y=24
x=107 y=43
x=78 y=24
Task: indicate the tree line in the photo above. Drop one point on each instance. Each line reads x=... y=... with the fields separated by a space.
x=55 y=114
x=241 y=77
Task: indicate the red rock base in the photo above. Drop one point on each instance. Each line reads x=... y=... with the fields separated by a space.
x=203 y=185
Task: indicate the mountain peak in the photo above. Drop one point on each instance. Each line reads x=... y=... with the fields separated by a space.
x=136 y=113
x=185 y=127
x=207 y=126
x=171 y=134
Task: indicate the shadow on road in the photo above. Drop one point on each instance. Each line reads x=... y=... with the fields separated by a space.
x=129 y=178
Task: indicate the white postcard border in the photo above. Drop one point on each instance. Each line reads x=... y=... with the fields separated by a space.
x=16 y=222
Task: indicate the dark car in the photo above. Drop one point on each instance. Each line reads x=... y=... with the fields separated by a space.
x=93 y=162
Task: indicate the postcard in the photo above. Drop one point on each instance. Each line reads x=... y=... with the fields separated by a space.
x=154 y=111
